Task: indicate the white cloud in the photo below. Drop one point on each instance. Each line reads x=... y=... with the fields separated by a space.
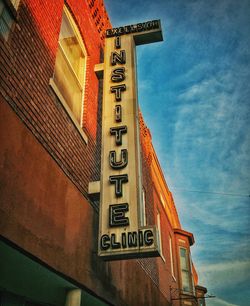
x=228 y=215
x=224 y=275
x=145 y=85
x=218 y=302
x=202 y=90
x=226 y=266
x=221 y=275
x=212 y=130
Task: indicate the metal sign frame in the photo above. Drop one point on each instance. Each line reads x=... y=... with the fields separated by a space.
x=122 y=234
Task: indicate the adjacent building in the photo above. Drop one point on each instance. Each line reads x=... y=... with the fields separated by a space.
x=50 y=167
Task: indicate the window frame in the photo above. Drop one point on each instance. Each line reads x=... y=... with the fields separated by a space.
x=158 y=219
x=143 y=208
x=52 y=83
x=186 y=270
x=171 y=257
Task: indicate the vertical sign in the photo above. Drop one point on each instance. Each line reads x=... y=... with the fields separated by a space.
x=121 y=232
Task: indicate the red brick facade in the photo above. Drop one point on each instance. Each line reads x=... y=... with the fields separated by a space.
x=46 y=165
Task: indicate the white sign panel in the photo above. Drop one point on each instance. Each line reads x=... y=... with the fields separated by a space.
x=121 y=232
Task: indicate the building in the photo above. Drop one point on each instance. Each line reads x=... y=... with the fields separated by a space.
x=50 y=134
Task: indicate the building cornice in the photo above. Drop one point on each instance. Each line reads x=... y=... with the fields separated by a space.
x=189 y=235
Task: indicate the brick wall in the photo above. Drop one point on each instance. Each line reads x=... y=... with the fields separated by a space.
x=27 y=64
x=159 y=269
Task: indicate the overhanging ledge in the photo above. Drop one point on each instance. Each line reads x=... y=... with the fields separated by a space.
x=189 y=235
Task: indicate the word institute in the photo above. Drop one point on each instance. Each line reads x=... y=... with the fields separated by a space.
x=122 y=233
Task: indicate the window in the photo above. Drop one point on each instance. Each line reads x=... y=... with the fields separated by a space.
x=143 y=208
x=70 y=66
x=185 y=270
x=7 y=9
x=159 y=230
x=171 y=257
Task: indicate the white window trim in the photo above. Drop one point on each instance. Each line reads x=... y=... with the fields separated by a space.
x=75 y=28
x=68 y=110
x=80 y=41
x=143 y=208
x=171 y=258
x=160 y=237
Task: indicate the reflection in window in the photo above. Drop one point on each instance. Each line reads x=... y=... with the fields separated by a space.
x=70 y=65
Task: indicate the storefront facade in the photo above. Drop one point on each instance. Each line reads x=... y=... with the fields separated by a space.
x=50 y=167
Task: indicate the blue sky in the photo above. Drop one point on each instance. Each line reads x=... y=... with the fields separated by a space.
x=194 y=93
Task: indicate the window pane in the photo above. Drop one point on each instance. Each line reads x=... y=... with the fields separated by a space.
x=71 y=48
x=185 y=281
x=68 y=85
x=69 y=66
x=185 y=270
x=183 y=252
x=184 y=264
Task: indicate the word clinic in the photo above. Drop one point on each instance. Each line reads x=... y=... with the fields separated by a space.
x=128 y=239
